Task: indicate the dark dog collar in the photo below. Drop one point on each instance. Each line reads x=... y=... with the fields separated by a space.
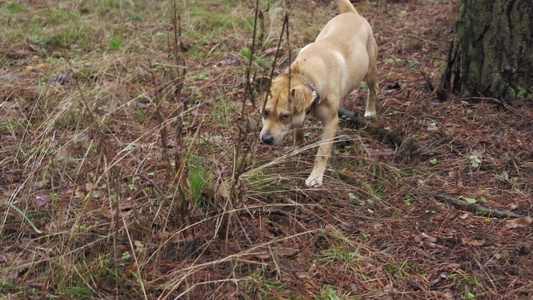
x=312 y=88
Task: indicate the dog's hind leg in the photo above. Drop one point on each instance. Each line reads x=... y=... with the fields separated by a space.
x=324 y=150
x=371 y=78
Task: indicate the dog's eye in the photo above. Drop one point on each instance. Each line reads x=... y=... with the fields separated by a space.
x=284 y=117
x=266 y=113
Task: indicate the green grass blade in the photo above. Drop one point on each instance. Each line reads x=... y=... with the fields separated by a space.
x=23 y=215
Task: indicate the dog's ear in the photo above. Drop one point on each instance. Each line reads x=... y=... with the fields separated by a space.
x=302 y=98
x=299 y=97
x=261 y=84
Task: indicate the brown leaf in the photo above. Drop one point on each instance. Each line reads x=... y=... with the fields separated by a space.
x=518 y=223
x=32 y=285
x=42 y=200
x=14 y=274
x=524 y=248
x=3 y=259
x=346 y=225
x=475 y=243
x=39 y=185
x=272 y=50
x=432 y=127
x=428 y=238
x=229 y=60
x=62 y=153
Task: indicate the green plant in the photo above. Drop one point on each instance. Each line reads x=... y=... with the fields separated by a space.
x=376 y=191
x=363 y=87
x=428 y=121
x=78 y=292
x=475 y=161
x=126 y=255
x=202 y=76
x=414 y=64
x=440 y=64
x=7 y=286
x=116 y=43
x=12 y=7
x=407 y=200
x=505 y=178
x=393 y=61
x=197 y=178
x=329 y=293
x=344 y=255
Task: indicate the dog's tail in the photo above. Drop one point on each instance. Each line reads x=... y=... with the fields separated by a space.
x=345 y=6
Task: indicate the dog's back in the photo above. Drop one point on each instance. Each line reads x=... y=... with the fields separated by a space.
x=346 y=40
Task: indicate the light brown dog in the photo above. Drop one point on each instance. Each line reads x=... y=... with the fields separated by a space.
x=343 y=55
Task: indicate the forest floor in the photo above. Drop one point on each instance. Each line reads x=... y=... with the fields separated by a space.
x=116 y=183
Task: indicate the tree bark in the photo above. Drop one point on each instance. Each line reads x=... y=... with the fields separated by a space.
x=492 y=50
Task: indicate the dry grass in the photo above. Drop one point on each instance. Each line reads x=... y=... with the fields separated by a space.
x=117 y=183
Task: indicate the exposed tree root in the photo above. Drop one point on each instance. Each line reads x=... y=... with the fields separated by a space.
x=476 y=208
x=408 y=147
x=382 y=133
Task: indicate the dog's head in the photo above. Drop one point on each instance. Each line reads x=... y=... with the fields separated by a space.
x=285 y=106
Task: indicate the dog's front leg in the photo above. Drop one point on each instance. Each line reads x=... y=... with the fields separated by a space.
x=328 y=136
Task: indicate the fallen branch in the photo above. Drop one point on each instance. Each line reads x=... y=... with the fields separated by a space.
x=476 y=208
x=381 y=133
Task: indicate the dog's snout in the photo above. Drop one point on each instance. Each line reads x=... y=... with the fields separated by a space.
x=267 y=139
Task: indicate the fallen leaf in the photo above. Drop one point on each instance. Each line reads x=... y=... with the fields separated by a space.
x=88 y=187
x=272 y=50
x=3 y=259
x=305 y=274
x=31 y=285
x=346 y=225
x=475 y=243
x=81 y=137
x=428 y=238
x=524 y=249
x=229 y=60
x=432 y=127
x=39 y=185
x=59 y=79
x=42 y=200
x=8 y=76
x=62 y=153
x=14 y=274
x=518 y=223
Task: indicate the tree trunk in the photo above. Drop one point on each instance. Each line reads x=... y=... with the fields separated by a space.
x=492 y=50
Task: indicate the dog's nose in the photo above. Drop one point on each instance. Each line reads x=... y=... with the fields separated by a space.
x=267 y=139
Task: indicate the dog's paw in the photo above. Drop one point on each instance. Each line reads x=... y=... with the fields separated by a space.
x=314 y=181
x=369 y=113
